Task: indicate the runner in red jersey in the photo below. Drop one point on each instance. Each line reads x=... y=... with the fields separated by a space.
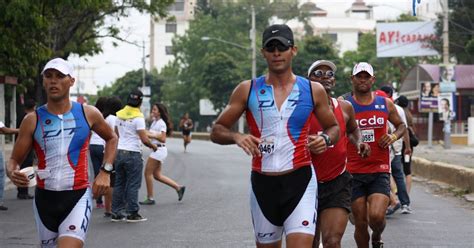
x=334 y=182
x=371 y=176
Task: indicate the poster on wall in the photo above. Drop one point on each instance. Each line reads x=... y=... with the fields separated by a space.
x=429 y=96
x=445 y=106
x=447 y=78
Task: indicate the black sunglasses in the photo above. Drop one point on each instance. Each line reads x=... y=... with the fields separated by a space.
x=271 y=47
x=321 y=73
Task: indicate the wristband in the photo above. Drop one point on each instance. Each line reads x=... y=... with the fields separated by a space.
x=393 y=137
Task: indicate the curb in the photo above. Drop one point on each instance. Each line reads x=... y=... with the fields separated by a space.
x=455 y=175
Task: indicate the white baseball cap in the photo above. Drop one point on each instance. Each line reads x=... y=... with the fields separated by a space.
x=322 y=62
x=363 y=66
x=61 y=65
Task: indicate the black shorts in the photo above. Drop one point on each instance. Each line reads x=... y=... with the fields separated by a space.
x=186 y=132
x=335 y=193
x=367 y=184
x=278 y=196
x=54 y=206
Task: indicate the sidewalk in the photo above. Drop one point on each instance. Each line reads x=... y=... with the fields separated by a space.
x=458 y=155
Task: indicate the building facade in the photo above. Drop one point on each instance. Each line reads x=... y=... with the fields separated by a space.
x=162 y=32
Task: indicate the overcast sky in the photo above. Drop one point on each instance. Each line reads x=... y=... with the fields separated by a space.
x=114 y=62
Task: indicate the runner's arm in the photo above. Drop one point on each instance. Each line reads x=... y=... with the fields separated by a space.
x=98 y=124
x=394 y=118
x=353 y=131
x=221 y=131
x=22 y=147
x=325 y=116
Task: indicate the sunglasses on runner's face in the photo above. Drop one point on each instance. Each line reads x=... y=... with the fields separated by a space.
x=271 y=47
x=320 y=73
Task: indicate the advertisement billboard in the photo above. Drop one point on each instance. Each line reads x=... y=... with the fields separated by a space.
x=447 y=78
x=429 y=96
x=405 y=39
x=445 y=106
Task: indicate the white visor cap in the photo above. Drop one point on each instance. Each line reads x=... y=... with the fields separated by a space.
x=320 y=63
x=61 y=65
x=363 y=66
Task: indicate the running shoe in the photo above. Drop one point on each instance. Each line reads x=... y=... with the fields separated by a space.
x=147 y=201
x=391 y=210
x=135 y=217
x=3 y=208
x=99 y=205
x=406 y=209
x=377 y=244
x=107 y=215
x=117 y=218
x=181 y=192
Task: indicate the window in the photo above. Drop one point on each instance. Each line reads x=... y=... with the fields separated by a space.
x=177 y=6
x=331 y=37
x=171 y=27
x=169 y=50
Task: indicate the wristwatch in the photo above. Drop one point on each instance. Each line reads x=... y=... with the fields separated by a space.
x=326 y=139
x=107 y=168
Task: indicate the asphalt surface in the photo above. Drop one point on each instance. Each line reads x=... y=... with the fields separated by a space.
x=215 y=212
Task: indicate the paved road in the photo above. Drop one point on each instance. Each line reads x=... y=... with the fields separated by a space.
x=215 y=212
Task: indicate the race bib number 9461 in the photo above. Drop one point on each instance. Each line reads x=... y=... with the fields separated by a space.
x=368 y=135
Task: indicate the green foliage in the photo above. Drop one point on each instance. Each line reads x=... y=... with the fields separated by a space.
x=35 y=31
x=211 y=69
x=133 y=80
x=310 y=49
x=461 y=31
x=219 y=77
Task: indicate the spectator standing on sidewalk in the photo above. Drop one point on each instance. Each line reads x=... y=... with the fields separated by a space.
x=114 y=104
x=3 y=130
x=159 y=129
x=96 y=147
x=334 y=182
x=371 y=176
x=130 y=124
x=402 y=101
x=30 y=106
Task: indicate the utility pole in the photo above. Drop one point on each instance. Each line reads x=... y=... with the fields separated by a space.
x=254 y=59
x=253 y=45
x=145 y=108
x=143 y=64
x=447 y=121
